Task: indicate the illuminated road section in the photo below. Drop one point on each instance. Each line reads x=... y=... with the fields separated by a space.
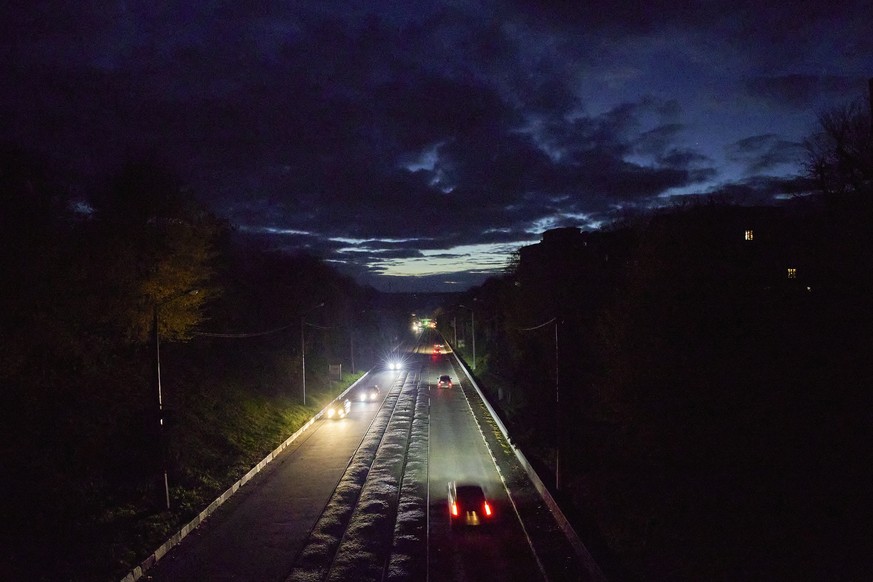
x=256 y=534
x=458 y=453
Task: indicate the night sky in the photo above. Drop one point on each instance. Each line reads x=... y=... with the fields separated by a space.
x=414 y=144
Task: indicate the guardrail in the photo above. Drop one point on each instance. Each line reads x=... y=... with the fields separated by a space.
x=581 y=551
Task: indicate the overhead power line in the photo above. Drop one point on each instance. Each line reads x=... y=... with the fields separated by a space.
x=258 y=333
x=549 y=322
x=244 y=335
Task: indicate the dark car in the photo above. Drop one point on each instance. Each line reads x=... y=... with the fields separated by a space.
x=338 y=408
x=445 y=381
x=369 y=394
x=468 y=505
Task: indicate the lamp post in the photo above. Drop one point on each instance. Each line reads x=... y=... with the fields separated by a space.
x=352 y=348
x=558 y=423
x=156 y=336
x=473 y=325
x=557 y=414
x=303 y=347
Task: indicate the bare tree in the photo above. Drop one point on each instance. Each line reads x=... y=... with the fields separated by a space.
x=840 y=155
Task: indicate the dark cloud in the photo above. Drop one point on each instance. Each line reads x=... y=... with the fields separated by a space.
x=617 y=17
x=763 y=153
x=799 y=90
x=371 y=133
x=657 y=141
x=762 y=190
x=678 y=157
x=731 y=19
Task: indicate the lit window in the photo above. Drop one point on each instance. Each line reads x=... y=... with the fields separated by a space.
x=750 y=235
x=792 y=273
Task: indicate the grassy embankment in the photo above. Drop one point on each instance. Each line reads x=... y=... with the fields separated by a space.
x=211 y=446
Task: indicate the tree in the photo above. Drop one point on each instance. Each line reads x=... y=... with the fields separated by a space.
x=34 y=262
x=154 y=245
x=840 y=155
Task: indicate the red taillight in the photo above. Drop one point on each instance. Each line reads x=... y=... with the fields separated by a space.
x=487 y=508
x=454 y=508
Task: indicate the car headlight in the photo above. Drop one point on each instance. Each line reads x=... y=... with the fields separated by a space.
x=330 y=412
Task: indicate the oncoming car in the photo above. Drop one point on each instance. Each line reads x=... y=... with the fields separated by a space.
x=468 y=505
x=338 y=408
x=445 y=381
x=369 y=394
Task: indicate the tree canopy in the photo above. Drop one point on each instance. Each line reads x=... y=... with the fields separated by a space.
x=840 y=154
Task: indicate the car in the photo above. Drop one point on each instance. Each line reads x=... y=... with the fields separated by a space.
x=369 y=394
x=394 y=363
x=468 y=505
x=338 y=409
x=445 y=381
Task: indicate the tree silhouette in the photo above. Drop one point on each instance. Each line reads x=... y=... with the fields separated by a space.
x=840 y=155
x=155 y=246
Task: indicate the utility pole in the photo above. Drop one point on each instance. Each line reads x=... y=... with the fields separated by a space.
x=156 y=339
x=557 y=413
x=473 y=330
x=870 y=99
x=303 y=348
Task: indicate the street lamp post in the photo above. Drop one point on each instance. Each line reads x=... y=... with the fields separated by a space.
x=303 y=347
x=558 y=423
x=473 y=326
x=156 y=337
x=557 y=415
x=352 y=349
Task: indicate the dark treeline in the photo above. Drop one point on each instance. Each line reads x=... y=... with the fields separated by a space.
x=82 y=277
x=714 y=374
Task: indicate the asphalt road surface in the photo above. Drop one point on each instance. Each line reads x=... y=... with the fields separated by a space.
x=498 y=551
x=256 y=534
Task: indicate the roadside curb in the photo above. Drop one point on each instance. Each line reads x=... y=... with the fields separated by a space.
x=582 y=553
x=159 y=553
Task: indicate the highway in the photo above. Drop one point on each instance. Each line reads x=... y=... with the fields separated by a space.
x=283 y=525
x=458 y=453
x=258 y=532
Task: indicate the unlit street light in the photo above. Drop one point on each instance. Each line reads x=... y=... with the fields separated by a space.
x=303 y=347
x=558 y=423
x=156 y=335
x=473 y=322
